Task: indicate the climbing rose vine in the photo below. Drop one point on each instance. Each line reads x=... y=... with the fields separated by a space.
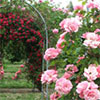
x=78 y=62
x=21 y=29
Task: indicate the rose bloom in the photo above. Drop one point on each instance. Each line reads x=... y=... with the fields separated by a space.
x=53 y=9
x=90 y=73
x=80 y=58
x=86 y=86
x=81 y=87
x=71 y=68
x=63 y=86
x=67 y=75
x=22 y=66
x=93 y=4
x=23 y=9
x=98 y=70
x=92 y=94
x=71 y=24
x=97 y=30
x=55 y=31
x=62 y=36
x=92 y=39
x=90 y=36
x=59 y=43
x=91 y=44
x=40 y=1
x=55 y=96
x=78 y=7
x=51 y=53
x=49 y=76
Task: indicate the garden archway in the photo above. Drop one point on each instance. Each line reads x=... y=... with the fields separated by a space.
x=20 y=29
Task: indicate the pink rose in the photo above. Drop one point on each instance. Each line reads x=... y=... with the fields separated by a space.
x=19 y=6
x=71 y=24
x=98 y=70
x=71 y=68
x=63 y=86
x=67 y=75
x=55 y=96
x=22 y=66
x=81 y=87
x=23 y=9
x=53 y=9
x=40 y=1
x=51 y=53
x=97 y=30
x=62 y=36
x=92 y=94
x=78 y=7
x=55 y=31
x=91 y=73
x=59 y=43
x=93 y=4
x=92 y=39
x=49 y=76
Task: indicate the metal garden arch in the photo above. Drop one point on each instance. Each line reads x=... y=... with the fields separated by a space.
x=45 y=40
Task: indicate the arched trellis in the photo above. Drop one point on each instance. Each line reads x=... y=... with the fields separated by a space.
x=45 y=40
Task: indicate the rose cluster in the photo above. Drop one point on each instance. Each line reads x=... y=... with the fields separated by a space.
x=63 y=85
x=92 y=39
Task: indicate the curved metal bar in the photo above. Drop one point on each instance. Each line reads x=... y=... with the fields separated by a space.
x=47 y=63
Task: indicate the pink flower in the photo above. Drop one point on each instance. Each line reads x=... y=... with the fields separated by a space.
x=78 y=7
x=2 y=72
x=19 y=71
x=97 y=30
x=84 y=87
x=80 y=15
x=80 y=58
x=93 y=4
x=51 y=53
x=98 y=70
x=92 y=39
x=59 y=43
x=92 y=94
x=90 y=36
x=62 y=36
x=40 y=1
x=53 y=9
x=55 y=96
x=23 y=9
x=81 y=87
x=19 y=6
x=22 y=66
x=63 y=86
x=55 y=31
x=70 y=24
x=49 y=76
x=71 y=68
x=90 y=73
x=64 y=10
x=67 y=75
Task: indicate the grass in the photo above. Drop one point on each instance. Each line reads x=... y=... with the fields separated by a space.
x=18 y=96
x=21 y=82
x=10 y=70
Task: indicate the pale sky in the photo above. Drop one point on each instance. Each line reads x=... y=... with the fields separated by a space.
x=66 y=2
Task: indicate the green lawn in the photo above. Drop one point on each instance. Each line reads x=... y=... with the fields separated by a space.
x=21 y=82
x=18 y=96
x=10 y=70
